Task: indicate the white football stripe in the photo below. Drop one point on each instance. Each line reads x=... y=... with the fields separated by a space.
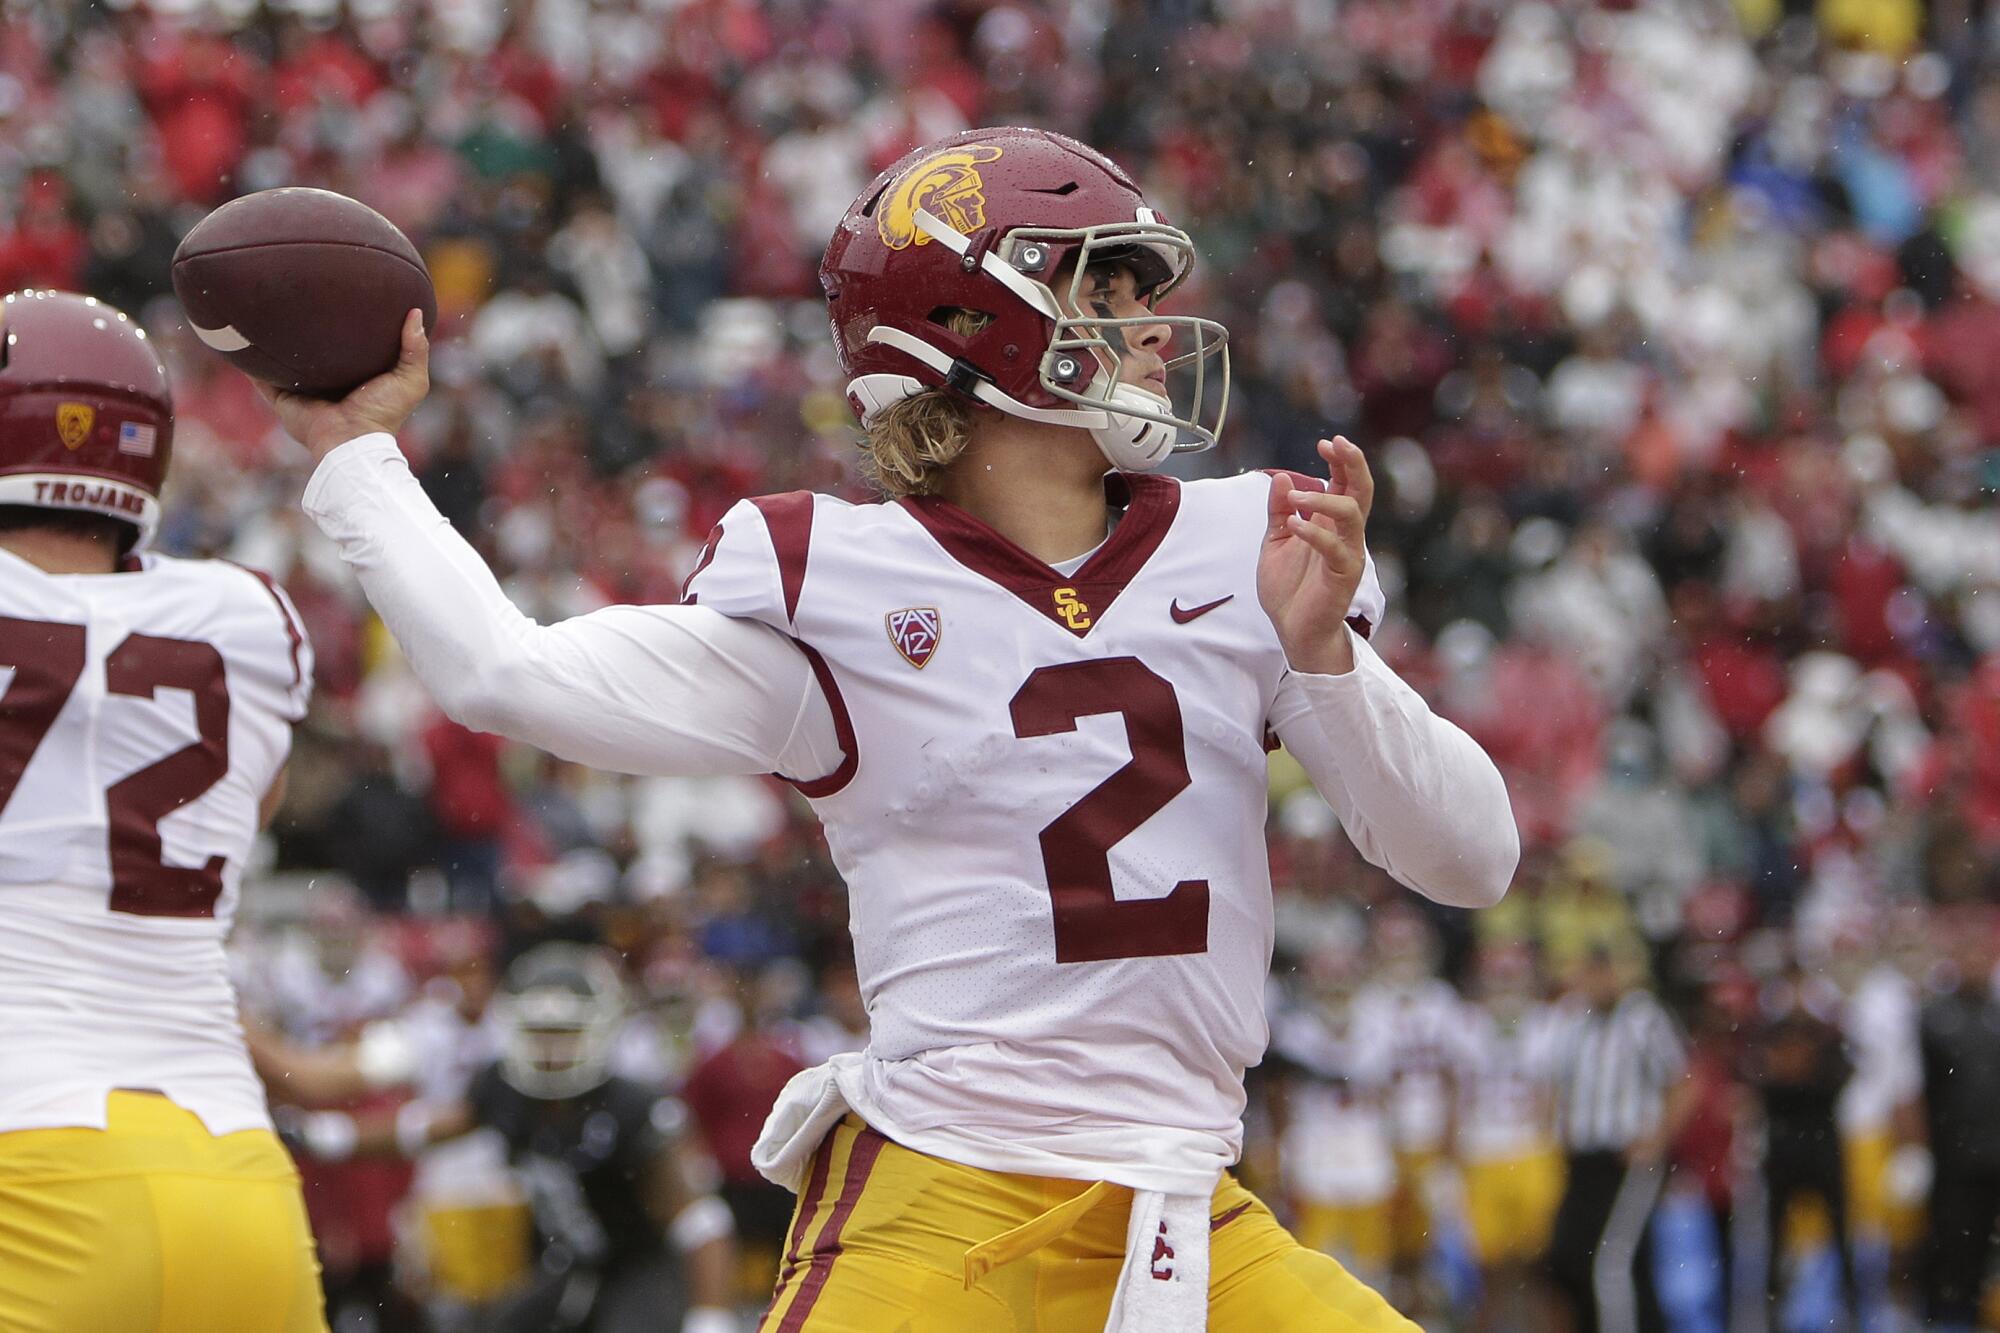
x=224 y=339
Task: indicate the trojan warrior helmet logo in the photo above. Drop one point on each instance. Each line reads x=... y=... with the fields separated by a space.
x=946 y=185
x=73 y=423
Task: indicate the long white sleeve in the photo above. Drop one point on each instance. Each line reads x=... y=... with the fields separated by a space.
x=1417 y=795
x=655 y=690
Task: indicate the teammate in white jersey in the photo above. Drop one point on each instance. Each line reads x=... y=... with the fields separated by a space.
x=1413 y=1016
x=1330 y=1110
x=1505 y=1128
x=146 y=707
x=1030 y=700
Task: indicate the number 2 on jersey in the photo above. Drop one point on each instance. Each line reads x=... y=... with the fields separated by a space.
x=48 y=658
x=1092 y=925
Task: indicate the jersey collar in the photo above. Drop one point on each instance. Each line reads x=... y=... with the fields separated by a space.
x=1075 y=602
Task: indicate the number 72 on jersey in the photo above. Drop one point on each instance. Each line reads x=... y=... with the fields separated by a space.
x=47 y=659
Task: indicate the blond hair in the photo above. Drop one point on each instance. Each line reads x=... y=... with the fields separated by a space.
x=909 y=444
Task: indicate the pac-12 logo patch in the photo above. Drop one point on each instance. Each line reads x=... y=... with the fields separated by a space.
x=73 y=423
x=914 y=630
x=946 y=184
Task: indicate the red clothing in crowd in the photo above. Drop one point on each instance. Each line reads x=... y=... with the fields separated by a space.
x=731 y=1092
x=43 y=252
x=202 y=92
x=1706 y=1147
x=1746 y=682
x=469 y=797
x=324 y=69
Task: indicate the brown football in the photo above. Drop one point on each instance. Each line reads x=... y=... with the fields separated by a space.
x=305 y=289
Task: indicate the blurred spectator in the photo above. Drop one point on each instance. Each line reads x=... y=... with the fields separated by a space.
x=1797 y=1067
x=842 y=1022
x=471 y=806
x=1960 y=1050
x=398 y=828
x=729 y=1093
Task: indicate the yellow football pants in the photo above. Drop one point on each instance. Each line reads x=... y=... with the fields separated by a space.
x=1359 y=1234
x=1872 y=1211
x=884 y=1239
x=1510 y=1205
x=153 y=1225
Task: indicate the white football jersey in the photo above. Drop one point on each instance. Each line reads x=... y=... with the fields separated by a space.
x=1880 y=1024
x=1416 y=1024
x=1051 y=813
x=144 y=715
x=1504 y=1076
x=1336 y=1146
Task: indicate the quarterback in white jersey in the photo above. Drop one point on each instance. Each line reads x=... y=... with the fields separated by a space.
x=1030 y=701
x=145 y=721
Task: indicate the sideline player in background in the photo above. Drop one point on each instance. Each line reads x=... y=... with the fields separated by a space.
x=1029 y=699
x=1330 y=1115
x=461 y=1194
x=1411 y=1015
x=144 y=727
x=616 y=1229
x=1505 y=1130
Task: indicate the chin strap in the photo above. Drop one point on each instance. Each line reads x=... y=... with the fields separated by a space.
x=1132 y=442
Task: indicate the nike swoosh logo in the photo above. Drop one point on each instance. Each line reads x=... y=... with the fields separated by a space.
x=1182 y=616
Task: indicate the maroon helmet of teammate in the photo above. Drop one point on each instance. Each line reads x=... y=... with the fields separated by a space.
x=86 y=419
x=988 y=220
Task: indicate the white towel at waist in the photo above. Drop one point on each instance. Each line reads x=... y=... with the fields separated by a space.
x=1163 y=1285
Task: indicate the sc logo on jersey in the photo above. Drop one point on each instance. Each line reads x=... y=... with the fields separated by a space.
x=1071 y=608
x=947 y=185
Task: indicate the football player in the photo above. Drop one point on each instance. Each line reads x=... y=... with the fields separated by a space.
x=1330 y=1110
x=1411 y=1014
x=611 y=1185
x=146 y=711
x=461 y=1196
x=1505 y=1129
x=1029 y=698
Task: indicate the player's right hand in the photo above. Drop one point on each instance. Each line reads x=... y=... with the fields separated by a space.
x=382 y=404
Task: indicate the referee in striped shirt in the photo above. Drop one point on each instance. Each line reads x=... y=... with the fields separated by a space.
x=1623 y=1094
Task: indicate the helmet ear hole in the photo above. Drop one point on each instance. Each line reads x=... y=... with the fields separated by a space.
x=961 y=320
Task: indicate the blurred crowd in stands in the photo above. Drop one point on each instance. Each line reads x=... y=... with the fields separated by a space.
x=1670 y=328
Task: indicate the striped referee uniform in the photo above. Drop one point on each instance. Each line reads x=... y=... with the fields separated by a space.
x=1615 y=1067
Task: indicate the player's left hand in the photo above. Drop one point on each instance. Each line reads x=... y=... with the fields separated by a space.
x=1314 y=553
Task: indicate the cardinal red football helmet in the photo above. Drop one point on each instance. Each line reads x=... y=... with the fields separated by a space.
x=984 y=221
x=86 y=419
